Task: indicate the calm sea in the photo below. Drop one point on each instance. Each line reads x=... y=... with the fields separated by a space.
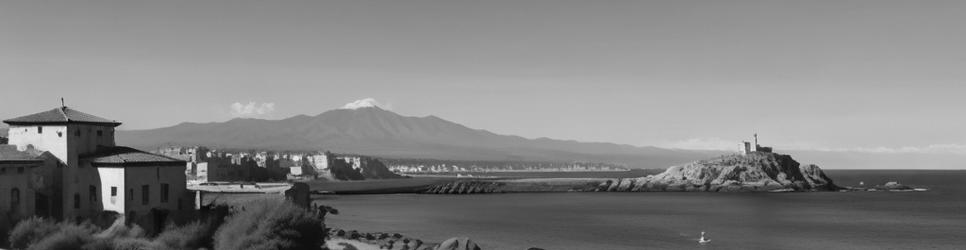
x=859 y=220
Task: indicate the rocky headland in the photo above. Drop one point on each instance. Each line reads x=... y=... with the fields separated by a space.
x=752 y=172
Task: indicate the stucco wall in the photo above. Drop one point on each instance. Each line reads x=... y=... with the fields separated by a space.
x=11 y=179
x=52 y=138
x=153 y=177
x=88 y=140
x=78 y=180
x=113 y=177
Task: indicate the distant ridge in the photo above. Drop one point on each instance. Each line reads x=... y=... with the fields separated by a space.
x=378 y=132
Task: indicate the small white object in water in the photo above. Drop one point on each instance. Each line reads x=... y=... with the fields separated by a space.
x=861 y=183
x=703 y=240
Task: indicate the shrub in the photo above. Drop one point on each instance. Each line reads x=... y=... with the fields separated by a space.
x=30 y=231
x=194 y=235
x=69 y=236
x=121 y=229
x=119 y=244
x=270 y=226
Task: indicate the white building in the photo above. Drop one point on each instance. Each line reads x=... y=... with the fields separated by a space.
x=96 y=175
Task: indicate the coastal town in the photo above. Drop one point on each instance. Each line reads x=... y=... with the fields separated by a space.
x=54 y=155
x=481 y=125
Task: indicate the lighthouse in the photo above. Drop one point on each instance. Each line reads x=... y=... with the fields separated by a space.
x=747 y=147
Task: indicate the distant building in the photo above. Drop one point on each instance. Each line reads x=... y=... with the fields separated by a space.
x=747 y=147
x=89 y=174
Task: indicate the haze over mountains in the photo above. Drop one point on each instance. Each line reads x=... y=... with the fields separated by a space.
x=374 y=131
x=377 y=132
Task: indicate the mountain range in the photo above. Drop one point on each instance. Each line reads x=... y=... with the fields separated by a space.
x=382 y=133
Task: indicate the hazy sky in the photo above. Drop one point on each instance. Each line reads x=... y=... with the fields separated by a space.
x=868 y=75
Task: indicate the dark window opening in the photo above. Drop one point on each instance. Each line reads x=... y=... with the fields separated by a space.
x=145 y=194
x=100 y=133
x=40 y=130
x=77 y=133
x=92 y=192
x=164 y=193
x=130 y=194
x=14 y=198
x=76 y=201
x=113 y=191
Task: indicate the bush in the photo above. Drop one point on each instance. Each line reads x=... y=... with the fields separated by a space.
x=30 y=231
x=121 y=229
x=194 y=235
x=68 y=236
x=119 y=244
x=270 y=226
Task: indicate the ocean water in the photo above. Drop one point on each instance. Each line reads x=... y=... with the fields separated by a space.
x=830 y=220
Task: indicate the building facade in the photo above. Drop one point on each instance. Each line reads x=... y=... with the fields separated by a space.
x=92 y=174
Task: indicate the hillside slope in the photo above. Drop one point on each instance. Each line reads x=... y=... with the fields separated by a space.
x=377 y=132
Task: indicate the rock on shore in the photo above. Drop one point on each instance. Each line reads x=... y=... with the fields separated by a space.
x=341 y=239
x=756 y=171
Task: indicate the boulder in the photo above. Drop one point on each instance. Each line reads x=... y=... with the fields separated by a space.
x=459 y=243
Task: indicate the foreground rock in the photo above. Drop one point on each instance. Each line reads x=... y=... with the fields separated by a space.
x=341 y=239
x=754 y=172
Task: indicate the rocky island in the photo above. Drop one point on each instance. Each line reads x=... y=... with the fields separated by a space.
x=755 y=171
x=750 y=172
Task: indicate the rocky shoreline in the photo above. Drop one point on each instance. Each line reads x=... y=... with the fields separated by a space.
x=342 y=239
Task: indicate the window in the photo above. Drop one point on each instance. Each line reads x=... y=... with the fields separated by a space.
x=76 y=201
x=130 y=194
x=77 y=133
x=145 y=193
x=14 y=198
x=3 y=170
x=100 y=133
x=164 y=192
x=20 y=170
x=40 y=130
x=113 y=191
x=92 y=193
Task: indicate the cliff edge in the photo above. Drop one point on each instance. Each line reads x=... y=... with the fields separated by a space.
x=752 y=172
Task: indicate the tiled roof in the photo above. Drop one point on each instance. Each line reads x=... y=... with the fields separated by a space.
x=9 y=153
x=59 y=116
x=126 y=155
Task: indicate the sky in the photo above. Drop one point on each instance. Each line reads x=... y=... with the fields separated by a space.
x=874 y=76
